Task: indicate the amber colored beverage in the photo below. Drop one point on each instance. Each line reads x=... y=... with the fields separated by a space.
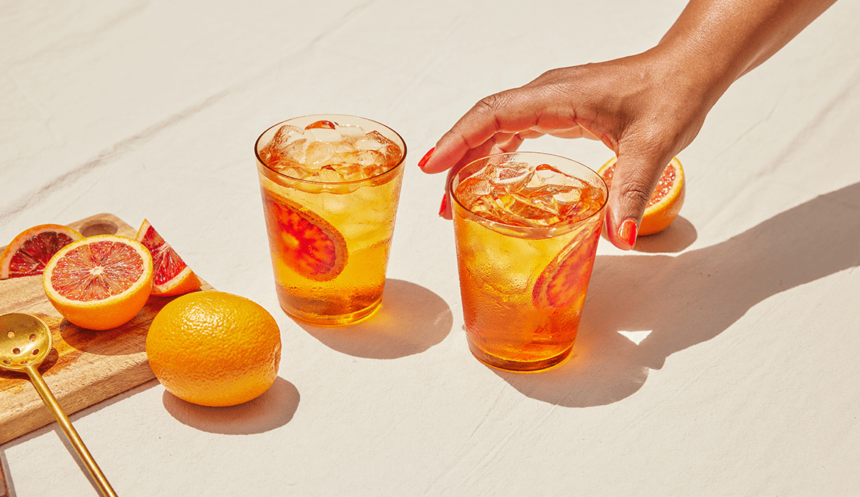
x=330 y=186
x=526 y=227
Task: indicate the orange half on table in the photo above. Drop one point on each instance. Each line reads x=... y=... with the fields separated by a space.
x=665 y=202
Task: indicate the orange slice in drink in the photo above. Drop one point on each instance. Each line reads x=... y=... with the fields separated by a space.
x=565 y=278
x=324 y=124
x=31 y=250
x=171 y=275
x=310 y=245
x=666 y=201
x=99 y=282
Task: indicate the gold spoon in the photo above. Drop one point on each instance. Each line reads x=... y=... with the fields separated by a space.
x=25 y=342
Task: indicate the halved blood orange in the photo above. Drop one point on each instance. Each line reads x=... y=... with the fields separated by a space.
x=99 y=282
x=309 y=244
x=565 y=278
x=31 y=250
x=171 y=275
x=666 y=201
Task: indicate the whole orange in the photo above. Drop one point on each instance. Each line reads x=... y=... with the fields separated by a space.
x=214 y=348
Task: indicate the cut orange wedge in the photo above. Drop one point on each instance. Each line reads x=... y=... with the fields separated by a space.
x=171 y=275
x=31 y=250
x=665 y=202
x=100 y=282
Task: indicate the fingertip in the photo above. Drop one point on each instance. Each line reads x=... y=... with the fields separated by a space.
x=445 y=208
x=427 y=156
x=627 y=233
x=624 y=234
x=440 y=158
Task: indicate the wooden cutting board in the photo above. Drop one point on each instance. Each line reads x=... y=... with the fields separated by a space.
x=85 y=367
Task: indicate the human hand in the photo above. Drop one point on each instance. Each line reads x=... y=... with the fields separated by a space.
x=646 y=108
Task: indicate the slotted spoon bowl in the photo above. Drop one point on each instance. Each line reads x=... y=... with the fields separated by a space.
x=25 y=342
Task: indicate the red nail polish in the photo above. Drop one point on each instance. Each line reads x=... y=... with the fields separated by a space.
x=423 y=161
x=444 y=205
x=627 y=232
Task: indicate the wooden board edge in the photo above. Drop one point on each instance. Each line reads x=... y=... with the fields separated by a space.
x=28 y=420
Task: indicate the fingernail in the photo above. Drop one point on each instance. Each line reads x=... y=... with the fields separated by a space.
x=423 y=161
x=627 y=232
x=444 y=206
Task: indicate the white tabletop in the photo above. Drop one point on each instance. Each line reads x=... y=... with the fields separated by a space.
x=719 y=358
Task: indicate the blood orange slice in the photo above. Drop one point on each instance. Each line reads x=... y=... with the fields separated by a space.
x=324 y=124
x=171 y=275
x=309 y=244
x=31 y=250
x=666 y=201
x=565 y=278
x=99 y=282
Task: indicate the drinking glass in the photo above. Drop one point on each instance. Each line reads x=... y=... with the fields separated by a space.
x=523 y=284
x=330 y=240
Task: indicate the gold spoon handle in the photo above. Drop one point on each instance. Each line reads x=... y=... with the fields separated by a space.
x=70 y=432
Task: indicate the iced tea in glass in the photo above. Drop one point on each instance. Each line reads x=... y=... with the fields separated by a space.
x=526 y=226
x=330 y=186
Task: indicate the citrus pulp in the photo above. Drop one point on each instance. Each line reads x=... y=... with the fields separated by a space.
x=99 y=282
x=31 y=250
x=171 y=275
x=312 y=247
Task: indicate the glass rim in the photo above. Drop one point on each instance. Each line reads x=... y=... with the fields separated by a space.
x=351 y=182
x=553 y=230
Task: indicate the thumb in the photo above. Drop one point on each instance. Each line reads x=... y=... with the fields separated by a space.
x=632 y=184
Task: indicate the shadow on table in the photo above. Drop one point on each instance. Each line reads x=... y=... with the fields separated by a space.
x=680 y=301
x=678 y=236
x=411 y=320
x=273 y=409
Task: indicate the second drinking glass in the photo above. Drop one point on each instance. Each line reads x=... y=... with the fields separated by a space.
x=526 y=227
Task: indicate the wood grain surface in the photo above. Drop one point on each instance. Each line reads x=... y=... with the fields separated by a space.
x=85 y=367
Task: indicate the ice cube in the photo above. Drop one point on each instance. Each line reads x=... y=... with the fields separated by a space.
x=366 y=143
x=351 y=133
x=367 y=157
x=577 y=211
x=294 y=172
x=372 y=170
x=318 y=154
x=531 y=211
x=328 y=174
x=308 y=135
x=325 y=135
x=391 y=154
x=510 y=176
x=274 y=150
x=295 y=151
x=373 y=141
x=351 y=172
x=473 y=188
x=343 y=147
x=376 y=135
x=286 y=134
